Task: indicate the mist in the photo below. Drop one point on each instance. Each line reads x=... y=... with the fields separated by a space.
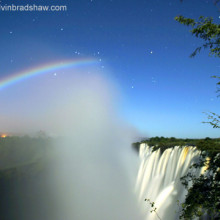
x=95 y=163
x=92 y=171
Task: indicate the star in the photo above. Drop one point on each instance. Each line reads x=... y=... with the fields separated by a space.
x=153 y=80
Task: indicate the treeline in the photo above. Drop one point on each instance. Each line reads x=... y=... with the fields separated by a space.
x=18 y=151
x=207 y=144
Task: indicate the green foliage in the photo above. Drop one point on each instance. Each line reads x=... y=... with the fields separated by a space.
x=214 y=119
x=203 y=196
x=163 y=143
x=218 y=83
x=209 y=32
x=154 y=209
x=205 y=29
x=136 y=146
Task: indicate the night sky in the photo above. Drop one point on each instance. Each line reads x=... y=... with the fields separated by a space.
x=145 y=51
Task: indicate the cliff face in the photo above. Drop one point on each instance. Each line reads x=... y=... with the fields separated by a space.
x=25 y=189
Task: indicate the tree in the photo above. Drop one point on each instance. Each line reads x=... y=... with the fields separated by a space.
x=205 y=29
x=203 y=196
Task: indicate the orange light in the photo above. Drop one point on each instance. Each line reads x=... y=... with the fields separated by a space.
x=3 y=135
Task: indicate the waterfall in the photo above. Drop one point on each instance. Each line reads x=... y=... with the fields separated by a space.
x=159 y=179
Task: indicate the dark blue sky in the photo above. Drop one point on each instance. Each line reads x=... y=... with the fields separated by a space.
x=145 y=50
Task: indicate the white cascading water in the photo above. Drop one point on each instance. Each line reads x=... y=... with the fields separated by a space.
x=159 y=179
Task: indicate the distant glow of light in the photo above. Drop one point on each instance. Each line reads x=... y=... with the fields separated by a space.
x=3 y=135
